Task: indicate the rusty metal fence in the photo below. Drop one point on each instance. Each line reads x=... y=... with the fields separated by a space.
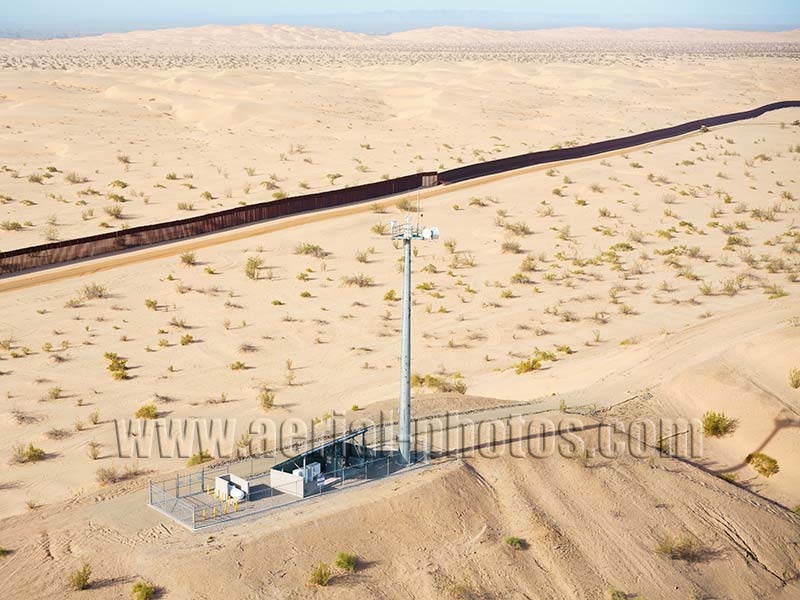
x=56 y=253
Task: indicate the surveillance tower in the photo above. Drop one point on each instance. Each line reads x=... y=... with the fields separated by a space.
x=408 y=232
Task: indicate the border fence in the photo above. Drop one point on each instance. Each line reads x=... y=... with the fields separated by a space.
x=57 y=253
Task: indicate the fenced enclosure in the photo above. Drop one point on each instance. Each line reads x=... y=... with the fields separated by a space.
x=56 y=253
x=190 y=498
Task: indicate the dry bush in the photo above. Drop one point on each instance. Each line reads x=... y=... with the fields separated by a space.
x=146 y=411
x=199 y=458
x=314 y=250
x=79 y=580
x=718 y=424
x=320 y=575
x=762 y=464
x=21 y=454
x=794 y=378
x=346 y=561
x=143 y=591
x=685 y=548
x=359 y=280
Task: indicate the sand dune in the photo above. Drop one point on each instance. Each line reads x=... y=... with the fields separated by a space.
x=588 y=527
x=661 y=283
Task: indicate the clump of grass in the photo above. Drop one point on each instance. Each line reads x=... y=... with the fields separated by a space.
x=92 y=291
x=188 y=259
x=763 y=464
x=320 y=575
x=73 y=177
x=266 y=398
x=117 y=366
x=21 y=454
x=515 y=542
x=794 y=378
x=685 y=548
x=440 y=384
x=718 y=424
x=511 y=247
x=113 y=210
x=93 y=450
x=346 y=561
x=199 y=458
x=359 y=280
x=79 y=580
x=143 y=591
x=314 y=250
x=391 y=296
x=254 y=263
x=146 y=411
x=237 y=366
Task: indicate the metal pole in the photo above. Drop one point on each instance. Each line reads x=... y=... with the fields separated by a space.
x=405 y=365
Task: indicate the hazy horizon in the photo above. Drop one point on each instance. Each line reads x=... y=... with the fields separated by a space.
x=44 y=19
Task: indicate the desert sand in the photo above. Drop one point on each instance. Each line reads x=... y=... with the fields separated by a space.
x=668 y=274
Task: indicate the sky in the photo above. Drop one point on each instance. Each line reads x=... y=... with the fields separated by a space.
x=71 y=17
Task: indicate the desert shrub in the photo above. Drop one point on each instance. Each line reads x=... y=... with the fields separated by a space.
x=359 y=280
x=237 y=366
x=511 y=247
x=21 y=454
x=451 y=244
x=113 y=210
x=794 y=378
x=440 y=384
x=515 y=542
x=79 y=580
x=520 y=278
x=92 y=291
x=143 y=591
x=529 y=263
x=459 y=261
x=106 y=475
x=518 y=228
x=93 y=450
x=151 y=304
x=254 y=263
x=391 y=296
x=718 y=424
x=146 y=411
x=320 y=575
x=199 y=458
x=762 y=464
x=266 y=398
x=406 y=205
x=346 y=561
x=186 y=339
x=117 y=366
x=686 y=548
x=4 y=551
x=380 y=229
x=73 y=177
x=314 y=250
x=527 y=365
x=188 y=259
